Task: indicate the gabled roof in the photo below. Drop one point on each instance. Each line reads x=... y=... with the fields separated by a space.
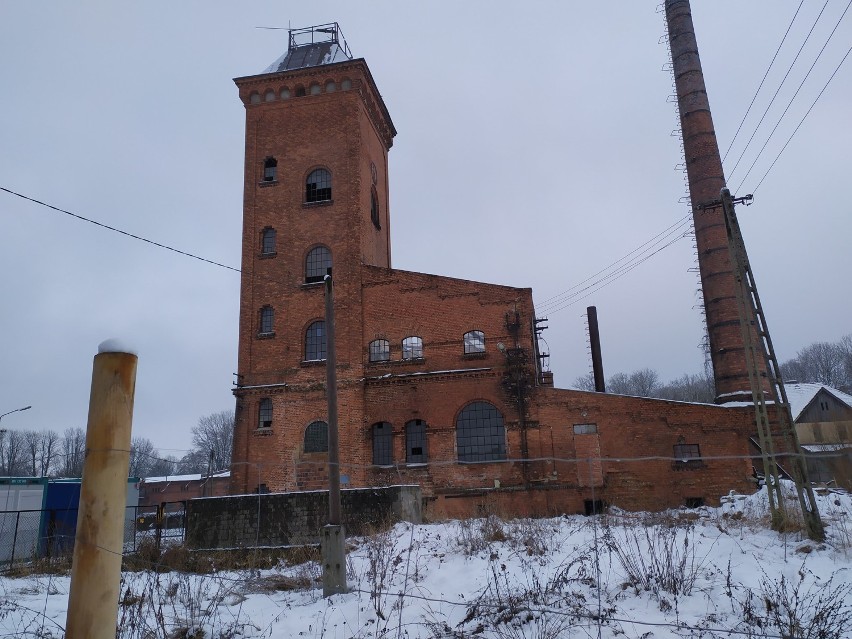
x=802 y=394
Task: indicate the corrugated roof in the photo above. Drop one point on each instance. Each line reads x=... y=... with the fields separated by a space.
x=308 y=55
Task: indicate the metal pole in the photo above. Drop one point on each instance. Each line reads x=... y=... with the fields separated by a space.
x=98 y=547
x=333 y=537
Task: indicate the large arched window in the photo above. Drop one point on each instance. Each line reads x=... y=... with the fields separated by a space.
x=382 y=444
x=316 y=437
x=315 y=341
x=474 y=342
x=480 y=434
x=412 y=348
x=270 y=169
x=267 y=241
x=318 y=186
x=267 y=320
x=379 y=350
x=264 y=413
x=415 y=442
x=317 y=264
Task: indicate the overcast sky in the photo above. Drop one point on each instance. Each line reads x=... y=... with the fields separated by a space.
x=534 y=149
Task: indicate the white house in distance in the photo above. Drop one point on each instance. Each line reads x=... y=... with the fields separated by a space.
x=823 y=418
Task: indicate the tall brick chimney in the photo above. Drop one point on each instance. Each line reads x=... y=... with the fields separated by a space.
x=706 y=179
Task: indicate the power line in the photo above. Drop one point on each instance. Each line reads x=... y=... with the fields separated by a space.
x=116 y=230
x=783 y=80
x=567 y=297
x=769 y=68
x=798 y=126
x=790 y=103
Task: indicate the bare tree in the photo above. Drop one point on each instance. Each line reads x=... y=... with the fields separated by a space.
x=142 y=455
x=640 y=383
x=162 y=466
x=821 y=363
x=13 y=453
x=585 y=382
x=73 y=452
x=42 y=448
x=214 y=432
x=690 y=388
x=195 y=461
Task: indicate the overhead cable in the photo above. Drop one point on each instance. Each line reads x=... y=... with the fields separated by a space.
x=116 y=230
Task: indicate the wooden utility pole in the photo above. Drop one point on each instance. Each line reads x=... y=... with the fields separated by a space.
x=333 y=542
x=760 y=357
x=99 y=544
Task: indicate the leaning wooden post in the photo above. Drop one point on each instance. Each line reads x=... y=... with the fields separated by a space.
x=98 y=546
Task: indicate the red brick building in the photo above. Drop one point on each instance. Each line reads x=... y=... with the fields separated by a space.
x=439 y=378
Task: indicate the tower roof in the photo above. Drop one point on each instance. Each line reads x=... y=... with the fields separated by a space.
x=312 y=47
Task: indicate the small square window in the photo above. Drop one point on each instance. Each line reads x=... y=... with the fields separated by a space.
x=379 y=350
x=686 y=452
x=585 y=429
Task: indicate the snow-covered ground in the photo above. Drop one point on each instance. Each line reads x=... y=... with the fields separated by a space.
x=711 y=572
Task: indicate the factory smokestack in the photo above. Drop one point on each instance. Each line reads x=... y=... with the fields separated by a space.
x=706 y=179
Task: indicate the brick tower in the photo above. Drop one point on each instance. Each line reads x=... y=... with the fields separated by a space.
x=706 y=179
x=315 y=194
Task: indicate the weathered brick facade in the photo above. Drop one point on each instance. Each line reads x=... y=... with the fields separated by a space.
x=559 y=450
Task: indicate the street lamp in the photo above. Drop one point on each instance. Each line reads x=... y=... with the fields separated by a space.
x=15 y=411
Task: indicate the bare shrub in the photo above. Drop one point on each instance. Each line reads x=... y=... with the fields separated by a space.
x=815 y=611
x=476 y=535
x=656 y=558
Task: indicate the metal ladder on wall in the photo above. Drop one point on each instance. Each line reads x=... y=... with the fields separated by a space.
x=758 y=347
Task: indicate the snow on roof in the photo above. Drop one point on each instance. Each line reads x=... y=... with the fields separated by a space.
x=178 y=478
x=801 y=394
x=308 y=55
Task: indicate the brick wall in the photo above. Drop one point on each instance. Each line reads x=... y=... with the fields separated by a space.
x=283 y=519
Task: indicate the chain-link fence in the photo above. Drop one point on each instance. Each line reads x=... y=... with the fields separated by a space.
x=29 y=535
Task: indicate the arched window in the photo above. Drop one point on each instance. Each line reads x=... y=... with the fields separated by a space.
x=300 y=91
x=330 y=86
x=315 y=88
x=412 y=348
x=264 y=413
x=346 y=84
x=270 y=95
x=267 y=241
x=379 y=350
x=374 y=208
x=316 y=437
x=474 y=342
x=415 y=442
x=318 y=186
x=317 y=264
x=315 y=341
x=480 y=434
x=285 y=93
x=270 y=169
x=382 y=444
x=267 y=319
x=254 y=98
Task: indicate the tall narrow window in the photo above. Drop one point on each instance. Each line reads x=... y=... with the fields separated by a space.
x=379 y=350
x=382 y=444
x=316 y=437
x=315 y=341
x=480 y=433
x=267 y=241
x=415 y=442
x=264 y=413
x=474 y=342
x=412 y=348
x=318 y=186
x=374 y=208
x=267 y=317
x=270 y=169
x=317 y=264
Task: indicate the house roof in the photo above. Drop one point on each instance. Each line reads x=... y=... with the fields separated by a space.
x=802 y=394
x=180 y=478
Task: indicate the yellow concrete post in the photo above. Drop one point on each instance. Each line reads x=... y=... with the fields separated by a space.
x=98 y=547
